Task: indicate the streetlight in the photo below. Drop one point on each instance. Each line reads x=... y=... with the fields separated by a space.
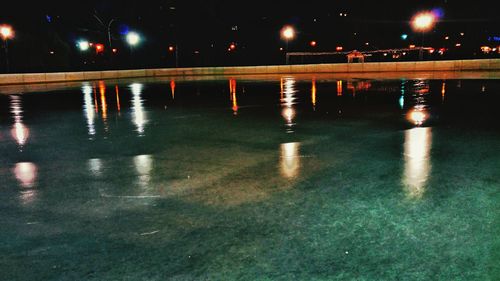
x=6 y=33
x=423 y=22
x=83 y=45
x=133 y=38
x=287 y=33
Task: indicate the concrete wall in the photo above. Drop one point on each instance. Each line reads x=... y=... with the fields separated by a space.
x=456 y=65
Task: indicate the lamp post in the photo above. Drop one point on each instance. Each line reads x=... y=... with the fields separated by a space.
x=423 y=22
x=174 y=49
x=133 y=39
x=287 y=33
x=6 y=33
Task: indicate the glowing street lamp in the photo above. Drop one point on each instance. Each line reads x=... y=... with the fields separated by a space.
x=133 y=38
x=83 y=45
x=6 y=32
x=287 y=33
x=423 y=22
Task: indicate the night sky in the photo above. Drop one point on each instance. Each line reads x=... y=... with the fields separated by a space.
x=47 y=31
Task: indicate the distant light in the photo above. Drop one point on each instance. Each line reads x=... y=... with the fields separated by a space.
x=83 y=45
x=133 y=38
x=423 y=21
x=99 y=47
x=412 y=46
x=114 y=50
x=339 y=48
x=196 y=52
x=51 y=52
x=6 y=32
x=447 y=38
x=404 y=36
x=458 y=45
x=385 y=54
x=367 y=43
x=431 y=51
x=171 y=48
x=232 y=46
x=281 y=48
x=462 y=34
x=404 y=53
x=313 y=43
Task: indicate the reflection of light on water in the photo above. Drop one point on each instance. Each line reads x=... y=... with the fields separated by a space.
x=288 y=101
x=403 y=92
x=172 y=88
x=88 y=109
x=290 y=159
x=418 y=115
x=233 y=97
x=417 y=148
x=104 y=104
x=95 y=166
x=19 y=132
x=313 y=93
x=138 y=113
x=26 y=173
x=117 y=98
x=443 y=91
x=143 y=165
x=339 y=88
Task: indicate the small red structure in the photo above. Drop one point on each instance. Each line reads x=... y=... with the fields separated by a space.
x=355 y=55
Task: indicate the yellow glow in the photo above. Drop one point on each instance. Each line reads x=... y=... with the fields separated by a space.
x=339 y=88
x=104 y=105
x=418 y=116
x=6 y=32
x=232 y=89
x=443 y=91
x=417 y=167
x=290 y=159
x=313 y=93
x=288 y=32
x=117 y=98
x=423 y=21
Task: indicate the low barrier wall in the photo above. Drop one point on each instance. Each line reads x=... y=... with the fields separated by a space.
x=455 y=65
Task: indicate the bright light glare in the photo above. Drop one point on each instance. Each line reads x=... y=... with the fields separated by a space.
x=83 y=45
x=6 y=32
x=133 y=38
x=423 y=21
x=288 y=32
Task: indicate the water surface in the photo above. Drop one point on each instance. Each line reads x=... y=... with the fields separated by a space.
x=285 y=178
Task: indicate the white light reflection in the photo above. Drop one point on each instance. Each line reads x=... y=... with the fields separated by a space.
x=19 y=131
x=95 y=166
x=138 y=113
x=288 y=101
x=26 y=173
x=143 y=165
x=88 y=108
x=290 y=159
x=417 y=167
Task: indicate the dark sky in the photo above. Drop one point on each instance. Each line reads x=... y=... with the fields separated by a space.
x=207 y=25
